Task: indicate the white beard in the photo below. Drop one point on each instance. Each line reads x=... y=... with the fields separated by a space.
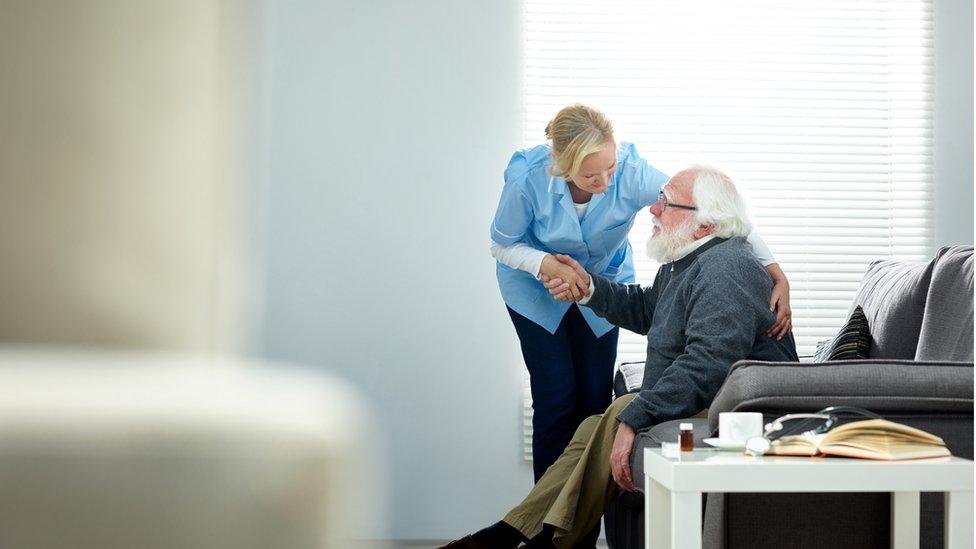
x=668 y=244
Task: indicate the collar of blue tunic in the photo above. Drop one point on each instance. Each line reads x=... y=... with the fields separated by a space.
x=558 y=185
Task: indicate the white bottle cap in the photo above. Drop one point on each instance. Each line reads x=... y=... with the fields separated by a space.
x=686 y=427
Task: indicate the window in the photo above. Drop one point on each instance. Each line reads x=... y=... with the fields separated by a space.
x=821 y=112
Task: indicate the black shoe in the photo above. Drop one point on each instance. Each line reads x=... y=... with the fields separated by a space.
x=500 y=535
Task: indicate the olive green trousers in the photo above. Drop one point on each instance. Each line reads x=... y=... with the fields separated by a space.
x=573 y=492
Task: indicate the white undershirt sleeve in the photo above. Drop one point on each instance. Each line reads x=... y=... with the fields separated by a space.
x=759 y=247
x=519 y=256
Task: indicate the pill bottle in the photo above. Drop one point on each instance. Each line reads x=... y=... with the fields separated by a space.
x=687 y=438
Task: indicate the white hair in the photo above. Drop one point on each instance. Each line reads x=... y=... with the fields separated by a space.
x=719 y=203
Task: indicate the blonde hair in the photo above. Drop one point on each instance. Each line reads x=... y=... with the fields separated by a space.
x=576 y=132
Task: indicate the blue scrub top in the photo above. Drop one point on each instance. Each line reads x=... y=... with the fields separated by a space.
x=536 y=209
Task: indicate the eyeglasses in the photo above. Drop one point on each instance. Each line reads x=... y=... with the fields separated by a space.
x=665 y=204
x=821 y=422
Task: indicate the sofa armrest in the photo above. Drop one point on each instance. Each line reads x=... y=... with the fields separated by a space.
x=882 y=386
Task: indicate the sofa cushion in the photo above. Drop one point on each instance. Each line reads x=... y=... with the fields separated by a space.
x=947 y=325
x=852 y=342
x=892 y=295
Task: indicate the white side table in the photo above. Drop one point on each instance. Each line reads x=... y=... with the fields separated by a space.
x=674 y=487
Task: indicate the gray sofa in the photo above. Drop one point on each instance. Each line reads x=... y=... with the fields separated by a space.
x=920 y=373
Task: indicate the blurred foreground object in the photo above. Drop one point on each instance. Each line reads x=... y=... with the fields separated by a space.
x=123 y=127
x=129 y=450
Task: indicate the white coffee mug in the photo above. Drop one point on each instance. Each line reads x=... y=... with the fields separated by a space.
x=738 y=427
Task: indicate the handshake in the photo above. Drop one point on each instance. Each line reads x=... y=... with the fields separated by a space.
x=565 y=279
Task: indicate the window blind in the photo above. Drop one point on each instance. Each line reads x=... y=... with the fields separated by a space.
x=820 y=111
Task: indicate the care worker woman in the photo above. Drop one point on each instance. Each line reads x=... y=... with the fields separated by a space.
x=576 y=195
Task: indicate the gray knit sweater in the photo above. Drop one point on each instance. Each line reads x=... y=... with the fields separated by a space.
x=703 y=313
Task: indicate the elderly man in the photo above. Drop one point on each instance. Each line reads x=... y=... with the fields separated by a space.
x=707 y=309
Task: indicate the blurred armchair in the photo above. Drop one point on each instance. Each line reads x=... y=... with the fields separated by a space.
x=138 y=451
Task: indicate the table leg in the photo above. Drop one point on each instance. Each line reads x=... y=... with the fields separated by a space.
x=959 y=520
x=905 y=522
x=657 y=515
x=686 y=520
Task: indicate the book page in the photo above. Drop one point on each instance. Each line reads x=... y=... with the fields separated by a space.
x=870 y=439
x=795 y=445
x=889 y=453
x=881 y=428
x=882 y=439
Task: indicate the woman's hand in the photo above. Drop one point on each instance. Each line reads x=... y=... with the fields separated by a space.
x=779 y=301
x=558 y=288
x=565 y=279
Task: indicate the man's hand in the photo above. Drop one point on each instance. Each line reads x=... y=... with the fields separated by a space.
x=574 y=288
x=623 y=443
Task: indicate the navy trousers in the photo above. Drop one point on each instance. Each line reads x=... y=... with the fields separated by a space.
x=571 y=374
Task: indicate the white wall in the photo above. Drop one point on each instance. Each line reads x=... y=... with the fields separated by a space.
x=953 y=122
x=385 y=128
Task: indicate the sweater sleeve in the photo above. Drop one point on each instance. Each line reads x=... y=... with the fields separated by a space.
x=721 y=327
x=629 y=306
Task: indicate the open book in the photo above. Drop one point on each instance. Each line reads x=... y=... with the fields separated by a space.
x=869 y=439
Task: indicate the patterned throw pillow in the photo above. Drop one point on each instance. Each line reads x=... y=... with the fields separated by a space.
x=852 y=342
